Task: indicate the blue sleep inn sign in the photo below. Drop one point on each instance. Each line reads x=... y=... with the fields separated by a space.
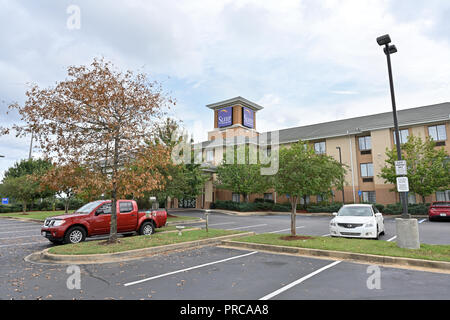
x=5 y=200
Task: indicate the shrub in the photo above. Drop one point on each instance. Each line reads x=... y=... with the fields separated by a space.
x=417 y=208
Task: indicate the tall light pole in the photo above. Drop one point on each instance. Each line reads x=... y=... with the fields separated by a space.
x=388 y=50
x=340 y=161
x=407 y=229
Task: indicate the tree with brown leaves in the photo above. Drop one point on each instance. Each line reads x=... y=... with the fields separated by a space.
x=98 y=119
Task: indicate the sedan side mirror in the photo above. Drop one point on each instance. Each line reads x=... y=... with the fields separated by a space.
x=334 y=213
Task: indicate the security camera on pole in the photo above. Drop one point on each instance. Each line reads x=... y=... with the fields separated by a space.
x=407 y=228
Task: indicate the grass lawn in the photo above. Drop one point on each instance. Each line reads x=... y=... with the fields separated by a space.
x=42 y=215
x=137 y=242
x=39 y=215
x=375 y=247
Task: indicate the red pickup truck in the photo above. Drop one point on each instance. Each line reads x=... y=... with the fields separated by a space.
x=94 y=219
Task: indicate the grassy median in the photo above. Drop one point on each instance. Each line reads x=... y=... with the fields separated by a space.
x=365 y=246
x=138 y=242
x=42 y=215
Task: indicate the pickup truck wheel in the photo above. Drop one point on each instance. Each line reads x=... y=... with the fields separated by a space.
x=147 y=229
x=75 y=235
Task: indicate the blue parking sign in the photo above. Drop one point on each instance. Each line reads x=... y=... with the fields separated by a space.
x=5 y=200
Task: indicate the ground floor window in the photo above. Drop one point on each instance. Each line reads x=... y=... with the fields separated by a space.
x=443 y=195
x=302 y=200
x=411 y=198
x=236 y=197
x=268 y=196
x=369 y=196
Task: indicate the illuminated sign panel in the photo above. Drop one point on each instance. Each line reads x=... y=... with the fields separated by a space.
x=225 y=117
x=248 y=117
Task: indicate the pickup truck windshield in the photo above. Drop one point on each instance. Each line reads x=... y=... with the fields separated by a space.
x=355 y=212
x=87 y=208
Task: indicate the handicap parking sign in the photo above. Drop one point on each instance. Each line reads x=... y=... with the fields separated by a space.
x=5 y=200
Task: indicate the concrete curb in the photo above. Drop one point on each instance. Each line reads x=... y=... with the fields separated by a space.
x=268 y=213
x=46 y=257
x=441 y=266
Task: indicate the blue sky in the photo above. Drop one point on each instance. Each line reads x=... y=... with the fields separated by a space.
x=303 y=61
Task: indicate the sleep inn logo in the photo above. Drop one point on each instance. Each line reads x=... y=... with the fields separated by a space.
x=225 y=117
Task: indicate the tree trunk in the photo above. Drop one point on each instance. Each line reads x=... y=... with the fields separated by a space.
x=24 y=207
x=66 y=206
x=423 y=199
x=293 y=215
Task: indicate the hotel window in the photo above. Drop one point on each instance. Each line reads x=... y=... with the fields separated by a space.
x=411 y=198
x=268 y=196
x=443 y=195
x=209 y=155
x=236 y=197
x=404 y=134
x=319 y=147
x=302 y=201
x=369 y=196
x=365 y=143
x=366 y=170
x=437 y=133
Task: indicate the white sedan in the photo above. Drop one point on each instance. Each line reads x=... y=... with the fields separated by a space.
x=357 y=221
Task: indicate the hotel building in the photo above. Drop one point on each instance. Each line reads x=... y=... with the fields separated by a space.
x=360 y=143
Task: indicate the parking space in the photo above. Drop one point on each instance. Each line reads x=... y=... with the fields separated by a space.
x=211 y=273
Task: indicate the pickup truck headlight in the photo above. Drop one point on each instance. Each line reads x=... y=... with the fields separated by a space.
x=58 y=223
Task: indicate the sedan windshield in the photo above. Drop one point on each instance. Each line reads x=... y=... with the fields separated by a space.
x=355 y=212
x=87 y=208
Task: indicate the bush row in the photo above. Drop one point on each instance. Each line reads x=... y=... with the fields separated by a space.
x=250 y=206
x=313 y=208
x=44 y=205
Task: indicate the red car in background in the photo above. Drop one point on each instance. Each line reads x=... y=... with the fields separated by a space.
x=94 y=219
x=439 y=210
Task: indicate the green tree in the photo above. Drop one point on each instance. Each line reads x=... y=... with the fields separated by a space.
x=30 y=166
x=428 y=167
x=302 y=172
x=22 y=189
x=182 y=180
x=245 y=178
x=21 y=181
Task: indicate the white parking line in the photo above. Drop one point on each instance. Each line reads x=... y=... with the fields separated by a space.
x=188 y=269
x=254 y=226
x=292 y=284
x=219 y=224
x=285 y=229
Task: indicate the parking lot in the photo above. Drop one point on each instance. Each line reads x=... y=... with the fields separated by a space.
x=211 y=273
